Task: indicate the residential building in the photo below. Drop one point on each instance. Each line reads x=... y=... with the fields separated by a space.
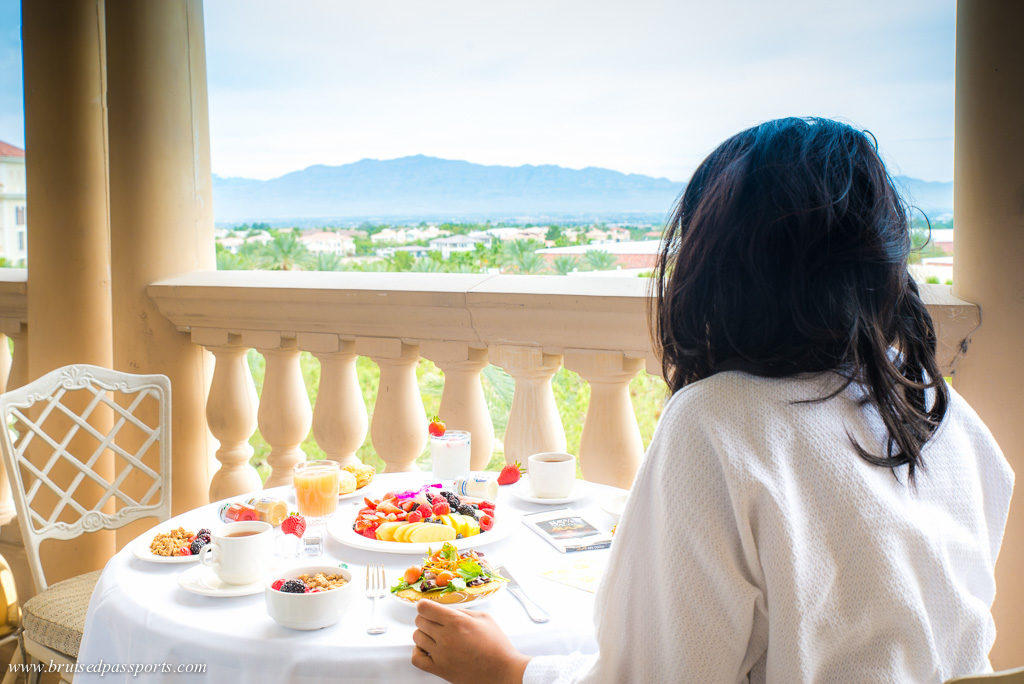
x=459 y=243
x=13 y=219
x=327 y=242
x=397 y=236
x=635 y=254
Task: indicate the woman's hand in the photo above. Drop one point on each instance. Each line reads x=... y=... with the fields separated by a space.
x=464 y=646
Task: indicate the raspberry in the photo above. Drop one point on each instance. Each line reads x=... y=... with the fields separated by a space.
x=294 y=586
x=276 y=586
x=442 y=508
x=486 y=522
x=425 y=510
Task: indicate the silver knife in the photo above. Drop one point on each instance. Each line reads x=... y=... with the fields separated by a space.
x=536 y=613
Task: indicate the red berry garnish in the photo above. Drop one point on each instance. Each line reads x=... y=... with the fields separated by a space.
x=277 y=584
x=442 y=508
x=436 y=427
x=415 y=517
x=426 y=511
x=294 y=524
x=184 y=551
x=486 y=522
x=511 y=473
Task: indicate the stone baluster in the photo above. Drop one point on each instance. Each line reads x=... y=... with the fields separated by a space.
x=231 y=408
x=339 y=416
x=534 y=424
x=399 y=427
x=7 y=511
x=18 y=375
x=284 y=415
x=611 y=446
x=463 y=406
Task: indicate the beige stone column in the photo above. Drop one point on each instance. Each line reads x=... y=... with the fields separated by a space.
x=988 y=202
x=534 y=424
x=231 y=410
x=284 y=414
x=161 y=212
x=68 y=246
x=339 y=417
x=399 y=425
x=463 y=405
x=611 y=446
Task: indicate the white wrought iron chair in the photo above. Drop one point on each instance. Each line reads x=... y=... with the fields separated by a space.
x=38 y=462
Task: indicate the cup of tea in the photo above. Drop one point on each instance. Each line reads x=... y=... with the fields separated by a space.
x=240 y=552
x=552 y=474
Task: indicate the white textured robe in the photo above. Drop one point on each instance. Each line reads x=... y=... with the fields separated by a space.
x=757 y=546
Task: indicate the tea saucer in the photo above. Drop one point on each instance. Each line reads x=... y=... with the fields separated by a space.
x=204 y=581
x=521 y=490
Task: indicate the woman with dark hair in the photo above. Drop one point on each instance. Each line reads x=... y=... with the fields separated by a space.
x=816 y=504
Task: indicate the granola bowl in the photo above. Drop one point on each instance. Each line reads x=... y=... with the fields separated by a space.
x=330 y=590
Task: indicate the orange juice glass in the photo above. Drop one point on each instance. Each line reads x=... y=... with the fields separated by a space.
x=316 y=488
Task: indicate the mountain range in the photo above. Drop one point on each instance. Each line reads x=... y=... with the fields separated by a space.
x=428 y=188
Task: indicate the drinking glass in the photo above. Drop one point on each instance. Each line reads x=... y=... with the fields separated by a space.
x=316 y=493
x=449 y=454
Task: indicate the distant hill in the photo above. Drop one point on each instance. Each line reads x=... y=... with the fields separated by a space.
x=422 y=187
x=933 y=198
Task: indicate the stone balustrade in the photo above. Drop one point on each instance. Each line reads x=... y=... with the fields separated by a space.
x=527 y=325
x=13 y=367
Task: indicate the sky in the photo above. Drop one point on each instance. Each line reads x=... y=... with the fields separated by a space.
x=632 y=85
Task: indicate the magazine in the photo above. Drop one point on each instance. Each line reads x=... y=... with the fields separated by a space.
x=568 y=530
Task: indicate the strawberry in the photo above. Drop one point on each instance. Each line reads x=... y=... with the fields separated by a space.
x=370 y=532
x=277 y=584
x=486 y=522
x=442 y=508
x=294 y=524
x=511 y=473
x=436 y=427
x=184 y=551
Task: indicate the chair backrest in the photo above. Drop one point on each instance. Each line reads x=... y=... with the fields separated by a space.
x=1014 y=676
x=44 y=471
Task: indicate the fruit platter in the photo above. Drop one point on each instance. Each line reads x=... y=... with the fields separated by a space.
x=417 y=520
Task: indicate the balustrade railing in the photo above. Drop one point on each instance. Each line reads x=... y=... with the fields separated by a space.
x=528 y=325
x=13 y=366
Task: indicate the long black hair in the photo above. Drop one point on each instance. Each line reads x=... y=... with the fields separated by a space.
x=787 y=253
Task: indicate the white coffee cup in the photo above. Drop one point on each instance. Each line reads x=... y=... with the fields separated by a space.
x=240 y=552
x=552 y=474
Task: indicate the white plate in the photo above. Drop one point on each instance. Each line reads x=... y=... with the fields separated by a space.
x=614 y=505
x=469 y=605
x=140 y=548
x=521 y=490
x=204 y=581
x=340 y=528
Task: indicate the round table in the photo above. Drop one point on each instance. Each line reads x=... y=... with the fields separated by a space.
x=139 y=615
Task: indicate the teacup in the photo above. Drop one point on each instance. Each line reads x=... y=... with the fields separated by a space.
x=552 y=474
x=240 y=552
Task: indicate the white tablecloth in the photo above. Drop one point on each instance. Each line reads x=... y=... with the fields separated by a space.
x=138 y=613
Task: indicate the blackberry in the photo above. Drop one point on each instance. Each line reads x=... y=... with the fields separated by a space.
x=294 y=586
x=467 y=510
x=205 y=537
x=197 y=545
x=453 y=501
x=205 y=531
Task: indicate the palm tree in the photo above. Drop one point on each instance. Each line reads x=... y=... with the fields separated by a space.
x=326 y=261
x=400 y=260
x=226 y=261
x=285 y=253
x=528 y=262
x=600 y=260
x=565 y=264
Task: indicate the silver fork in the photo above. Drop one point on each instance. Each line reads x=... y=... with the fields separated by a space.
x=376 y=588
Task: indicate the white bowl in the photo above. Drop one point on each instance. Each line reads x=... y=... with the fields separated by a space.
x=314 y=610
